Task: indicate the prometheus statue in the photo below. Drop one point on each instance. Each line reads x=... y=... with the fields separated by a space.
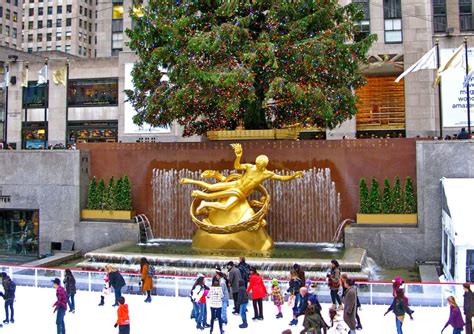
x=230 y=219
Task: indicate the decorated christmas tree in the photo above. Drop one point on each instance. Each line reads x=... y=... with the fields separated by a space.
x=410 y=198
x=397 y=202
x=375 y=201
x=109 y=195
x=93 y=201
x=363 y=197
x=387 y=197
x=100 y=195
x=211 y=65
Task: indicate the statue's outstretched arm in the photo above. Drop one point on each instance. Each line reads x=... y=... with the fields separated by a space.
x=238 y=154
x=287 y=177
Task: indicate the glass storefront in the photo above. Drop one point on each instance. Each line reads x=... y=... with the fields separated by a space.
x=92 y=132
x=34 y=135
x=34 y=96
x=19 y=232
x=92 y=92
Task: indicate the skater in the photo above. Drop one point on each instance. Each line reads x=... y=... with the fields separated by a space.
x=105 y=289
x=295 y=284
x=243 y=301
x=244 y=270
x=147 y=278
x=116 y=281
x=215 y=303
x=350 y=306
x=234 y=278
x=399 y=308
x=9 y=288
x=313 y=322
x=277 y=297
x=334 y=284
x=123 y=318
x=60 y=306
x=225 y=291
x=344 y=278
x=199 y=293
x=455 y=317
x=301 y=305
x=259 y=291
x=70 y=285
x=468 y=306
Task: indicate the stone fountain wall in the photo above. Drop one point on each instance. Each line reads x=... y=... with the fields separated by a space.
x=307 y=209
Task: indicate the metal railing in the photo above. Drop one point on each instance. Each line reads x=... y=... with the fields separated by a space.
x=419 y=294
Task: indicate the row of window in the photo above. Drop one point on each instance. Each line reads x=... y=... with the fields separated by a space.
x=440 y=20
x=59 y=35
x=59 y=10
x=81 y=51
x=80 y=93
x=8 y=14
x=59 y=22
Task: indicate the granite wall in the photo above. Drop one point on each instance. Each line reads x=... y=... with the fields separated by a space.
x=400 y=247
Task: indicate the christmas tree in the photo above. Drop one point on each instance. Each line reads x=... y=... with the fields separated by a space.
x=363 y=197
x=410 y=198
x=101 y=195
x=93 y=202
x=260 y=62
x=397 y=202
x=387 y=197
x=375 y=200
x=109 y=195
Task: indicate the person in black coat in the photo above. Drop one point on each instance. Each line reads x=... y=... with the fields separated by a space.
x=243 y=300
x=116 y=281
x=9 y=287
x=70 y=286
x=468 y=306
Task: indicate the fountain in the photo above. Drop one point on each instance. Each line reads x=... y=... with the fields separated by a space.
x=231 y=222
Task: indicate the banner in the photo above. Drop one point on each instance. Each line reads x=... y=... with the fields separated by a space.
x=129 y=112
x=453 y=93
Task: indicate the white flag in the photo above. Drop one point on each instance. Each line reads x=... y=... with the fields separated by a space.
x=427 y=62
x=43 y=75
x=457 y=60
x=24 y=77
x=6 y=78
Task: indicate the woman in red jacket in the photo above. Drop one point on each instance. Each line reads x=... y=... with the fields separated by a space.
x=258 y=290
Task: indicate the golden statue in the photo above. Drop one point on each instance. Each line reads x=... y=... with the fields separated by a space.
x=232 y=220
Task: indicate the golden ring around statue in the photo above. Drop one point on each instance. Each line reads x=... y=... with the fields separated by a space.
x=255 y=222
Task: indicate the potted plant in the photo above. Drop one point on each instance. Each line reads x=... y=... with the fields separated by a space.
x=109 y=202
x=393 y=207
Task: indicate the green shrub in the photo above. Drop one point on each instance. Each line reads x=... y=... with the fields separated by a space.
x=375 y=202
x=386 y=197
x=100 y=195
x=363 y=197
x=410 y=198
x=93 y=202
x=109 y=195
x=126 y=192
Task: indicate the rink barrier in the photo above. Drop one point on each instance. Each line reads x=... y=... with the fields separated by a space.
x=369 y=292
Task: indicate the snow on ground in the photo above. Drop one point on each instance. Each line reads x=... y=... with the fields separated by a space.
x=34 y=314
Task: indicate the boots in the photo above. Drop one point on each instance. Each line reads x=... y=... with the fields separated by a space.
x=279 y=315
x=101 y=301
x=333 y=306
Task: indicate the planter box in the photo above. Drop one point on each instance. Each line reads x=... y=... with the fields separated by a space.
x=107 y=214
x=389 y=219
x=291 y=133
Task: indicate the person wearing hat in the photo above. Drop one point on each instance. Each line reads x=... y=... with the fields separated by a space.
x=234 y=278
x=277 y=297
x=60 y=306
x=259 y=291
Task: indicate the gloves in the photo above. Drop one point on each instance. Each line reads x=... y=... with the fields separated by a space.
x=115 y=325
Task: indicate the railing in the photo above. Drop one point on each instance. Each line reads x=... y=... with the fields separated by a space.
x=419 y=294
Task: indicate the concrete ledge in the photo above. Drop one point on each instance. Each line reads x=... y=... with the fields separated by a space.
x=56 y=259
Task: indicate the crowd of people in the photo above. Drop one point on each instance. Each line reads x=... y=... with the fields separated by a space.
x=242 y=283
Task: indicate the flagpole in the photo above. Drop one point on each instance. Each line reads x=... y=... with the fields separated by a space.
x=46 y=86
x=467 y=90
x=67 y=105
x=23 y=139
x=440 y=99
x=5 y=128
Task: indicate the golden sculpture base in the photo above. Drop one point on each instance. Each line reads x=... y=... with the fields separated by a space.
x=258 y=240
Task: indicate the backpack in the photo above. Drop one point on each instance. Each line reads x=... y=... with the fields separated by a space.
x=151 y=270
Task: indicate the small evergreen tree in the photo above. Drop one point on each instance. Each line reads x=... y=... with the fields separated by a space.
x=92 y=200
x=109 y=195
x=375 y=200
x=397 y=201
x=127 y=194
x=410 y=199
x=387 y=197
x=100 y=195
x=363 y=196
x=118 y=204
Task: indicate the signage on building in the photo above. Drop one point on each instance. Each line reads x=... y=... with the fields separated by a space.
x=453 y=92
x=4 y=198
x=129 y=111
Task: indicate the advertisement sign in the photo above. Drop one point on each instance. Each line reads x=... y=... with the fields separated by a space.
x=454 y=94
x=129 y=111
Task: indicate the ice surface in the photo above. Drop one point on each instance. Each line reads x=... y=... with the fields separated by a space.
x=34 y=314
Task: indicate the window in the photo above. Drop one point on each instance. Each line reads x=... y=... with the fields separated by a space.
x=49 y=23
x=50 y=10
x=80 y=23
x=117 y=40
x=58 y=47
x=7 y=14
x=79 y=36
x=85 y=12
x=68 y=35
x=59 y=9
x=14 y=33
x=80 y=10
x=7 y=30
x=40 y=11
x=58 y=22
x=14 y=222
x=90 y=27
x=39 y=48
x=392 y=10
x=15 y=16
x=117 y=25
x=1 y=11
x=92 y=92
x=30 y=50
x=452 y=257
x=439 y=16
x=117 y=12
x=80 y=51
x=470 y=266
x=49 y=37
x=67 y=48
x=69 y=9
x=30 y=24
x=58 y=36
x=90 y=39
x=1 y=29
x=363 y=27
x=68 y=22
x=30 y=38
x=465 y=15
x=31 y=11
x=39 y=37
x=34 y=96
x=40 y=24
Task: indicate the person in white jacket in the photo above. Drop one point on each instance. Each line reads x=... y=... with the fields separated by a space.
x=215 y=303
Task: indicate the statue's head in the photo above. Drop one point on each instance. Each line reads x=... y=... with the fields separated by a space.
x=261 y=161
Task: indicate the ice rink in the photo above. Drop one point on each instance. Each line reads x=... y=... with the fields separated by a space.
x=34 y=314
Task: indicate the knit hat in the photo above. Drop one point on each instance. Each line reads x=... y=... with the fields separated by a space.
x=274 y=282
